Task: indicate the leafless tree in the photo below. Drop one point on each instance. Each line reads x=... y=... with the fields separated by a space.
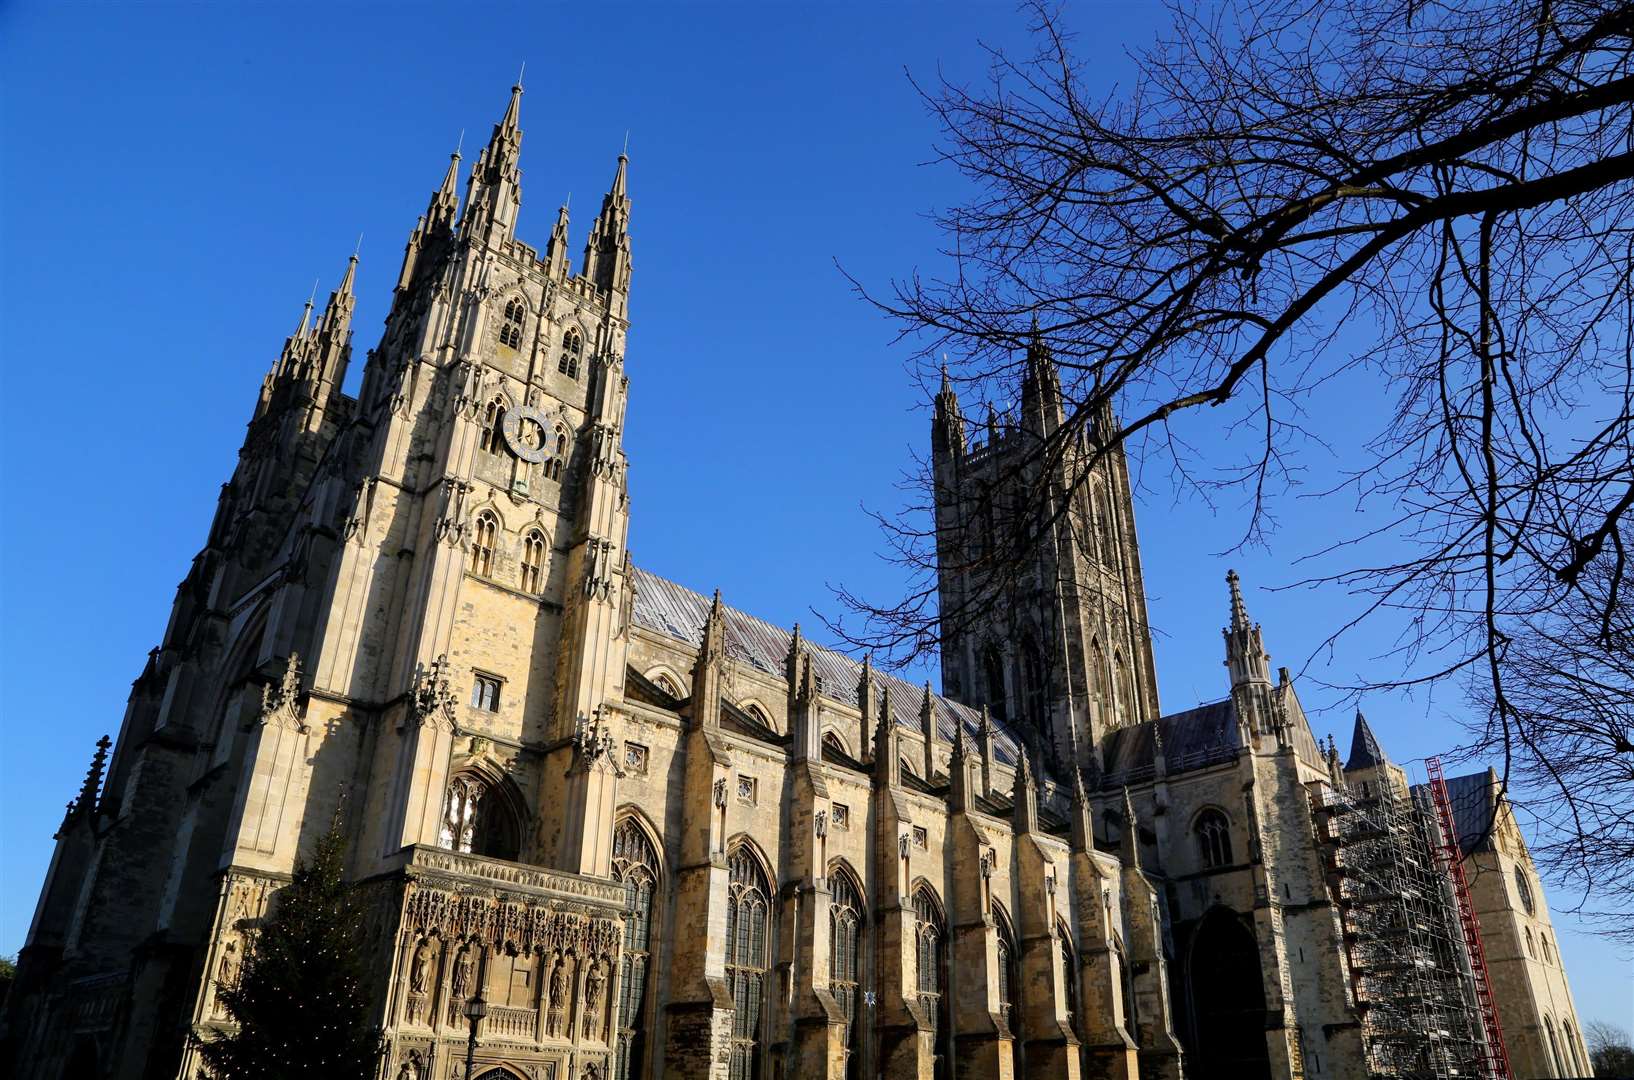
x=1610 y=1052
x=1426 y=201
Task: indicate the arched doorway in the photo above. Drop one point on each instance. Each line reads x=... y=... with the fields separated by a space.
x=1227 y=996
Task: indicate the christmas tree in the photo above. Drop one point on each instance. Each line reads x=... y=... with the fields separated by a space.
x=298 y=999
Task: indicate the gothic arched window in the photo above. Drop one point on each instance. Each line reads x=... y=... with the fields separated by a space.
x=533 y=561
x=1069 y=975
x=553 y=467
x=572 y=351
x=483 y=539
x=1032 y=672
x=477 y=818
x=1524 y=889
x=1120 y=687
x=490 y=441
x=993 y=672
x=667 y=685
x=748 y=913
x=1531 y=949
x=1097 y=673
x=1008 y=980
x=510 y=332
x=636 y=864
x=930 y=959
x=845 y=915
x=1213 y=838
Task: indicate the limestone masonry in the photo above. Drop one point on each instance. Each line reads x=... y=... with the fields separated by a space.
x=665 y=838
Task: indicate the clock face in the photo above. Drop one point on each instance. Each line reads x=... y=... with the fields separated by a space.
x=524 y=429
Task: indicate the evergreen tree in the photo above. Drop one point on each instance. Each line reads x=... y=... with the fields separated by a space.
x=299 y=1001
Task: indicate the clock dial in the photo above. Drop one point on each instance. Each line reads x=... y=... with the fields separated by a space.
x=524 y=429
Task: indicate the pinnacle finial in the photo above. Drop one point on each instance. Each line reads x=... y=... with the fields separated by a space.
x=521 y=72
x=1239 y=610
x=93 y=776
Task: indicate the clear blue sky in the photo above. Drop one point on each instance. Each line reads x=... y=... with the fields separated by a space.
x=175 y=177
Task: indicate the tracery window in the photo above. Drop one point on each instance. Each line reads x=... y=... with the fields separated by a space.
x=1120 y=687
x=477 y=819
x=510 y=332
x=747 y=958
x=993 y=672
x=1098 y=671
x=1032 y=671
x=1524 y=888
x=533 y=562
x=930 y=939
x=572 y=351
x=636 y=864
x=1213 y=838
x=845 y=913
x=1069 y=975
x=483 y=538
x=1008 y=981
x=490 y=441
x=667 y=685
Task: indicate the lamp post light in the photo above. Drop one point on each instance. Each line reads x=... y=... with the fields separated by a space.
x=475 y=1009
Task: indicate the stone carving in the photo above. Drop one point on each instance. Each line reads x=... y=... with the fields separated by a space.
x=720 y=794
x=595 y=982
x=412 y=1068
x=593 y=745
x=226 y=977
x=464 y=969
x=432 y=700
x=280 y=700
x=556 y=1013
x=451 y=521
x=420 y=968
x=820 y=824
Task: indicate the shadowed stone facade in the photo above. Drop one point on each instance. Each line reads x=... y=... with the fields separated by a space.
x=662 y=837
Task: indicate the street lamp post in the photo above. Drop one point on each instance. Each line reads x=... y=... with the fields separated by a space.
x=475 y=1009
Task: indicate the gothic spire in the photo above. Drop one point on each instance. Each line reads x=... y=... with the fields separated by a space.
x=445 y=201
x=1365 y=751
x=86 y=803
x=1025 y=794
x=607 y=249
x=1246 y=657
x=947 y=428
x=556 y=248
x=927 y=720
x=496 y=180
x=1129 y=843
x=708 y=670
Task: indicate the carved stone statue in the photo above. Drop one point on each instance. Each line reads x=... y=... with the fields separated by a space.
x=419 y=970
x=594 y=981
x=558 y=996
x=464 y=966
x=226 y=975
x=411 y=1068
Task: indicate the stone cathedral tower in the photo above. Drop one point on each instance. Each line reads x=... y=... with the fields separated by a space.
x=1061 y=650
x=660 y=837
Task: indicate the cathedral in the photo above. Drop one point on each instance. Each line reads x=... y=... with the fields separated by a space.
x=660 y=837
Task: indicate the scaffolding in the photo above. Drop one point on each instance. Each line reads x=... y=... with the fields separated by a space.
x=1496 y=1064
x=1409 y=966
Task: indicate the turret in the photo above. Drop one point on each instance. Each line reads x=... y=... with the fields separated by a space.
x=947 y=429
x=1245 y=646
x=494 y=193
x=607 y=250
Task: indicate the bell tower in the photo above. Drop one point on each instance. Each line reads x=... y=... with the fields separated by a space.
x=1039 y=578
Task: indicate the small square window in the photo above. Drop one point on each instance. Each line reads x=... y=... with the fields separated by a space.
x=842 y=816
x=485 y=693
x=747 y=789
x=635 y=758
x=921 y=838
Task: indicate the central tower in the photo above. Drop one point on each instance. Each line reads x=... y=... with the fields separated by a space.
x=1039 y=579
